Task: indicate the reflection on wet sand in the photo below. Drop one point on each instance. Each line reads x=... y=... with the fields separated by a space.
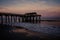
x=27 y=32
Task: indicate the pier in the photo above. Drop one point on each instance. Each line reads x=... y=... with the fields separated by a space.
x=10 y=18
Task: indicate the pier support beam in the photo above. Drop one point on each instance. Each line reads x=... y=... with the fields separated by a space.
x=30 y=19
x=14 y=19
x=8 y=19
x=19 y=19
x=22 y=18
x=33 y=19
x=39 y=19
x=36 y=19
x=1 y=19
x=5 y=19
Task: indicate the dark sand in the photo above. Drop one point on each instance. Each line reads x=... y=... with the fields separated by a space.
x=23 y=34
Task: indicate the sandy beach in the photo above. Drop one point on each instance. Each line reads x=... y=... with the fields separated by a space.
x=23 y=34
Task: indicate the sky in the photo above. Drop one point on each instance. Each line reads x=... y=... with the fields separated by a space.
x=49 y=9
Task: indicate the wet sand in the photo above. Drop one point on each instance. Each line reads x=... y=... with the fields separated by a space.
x=23 y=34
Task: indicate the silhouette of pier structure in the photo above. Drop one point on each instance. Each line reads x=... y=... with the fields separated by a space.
x=9 y=18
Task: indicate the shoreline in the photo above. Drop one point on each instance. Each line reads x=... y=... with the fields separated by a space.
x=22 y=33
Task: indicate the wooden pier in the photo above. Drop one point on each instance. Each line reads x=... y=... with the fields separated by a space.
x=17 y=18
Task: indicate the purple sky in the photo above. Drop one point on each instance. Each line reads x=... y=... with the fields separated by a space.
x=49 y=9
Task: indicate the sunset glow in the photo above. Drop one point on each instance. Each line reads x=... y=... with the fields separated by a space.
x=47 y=8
